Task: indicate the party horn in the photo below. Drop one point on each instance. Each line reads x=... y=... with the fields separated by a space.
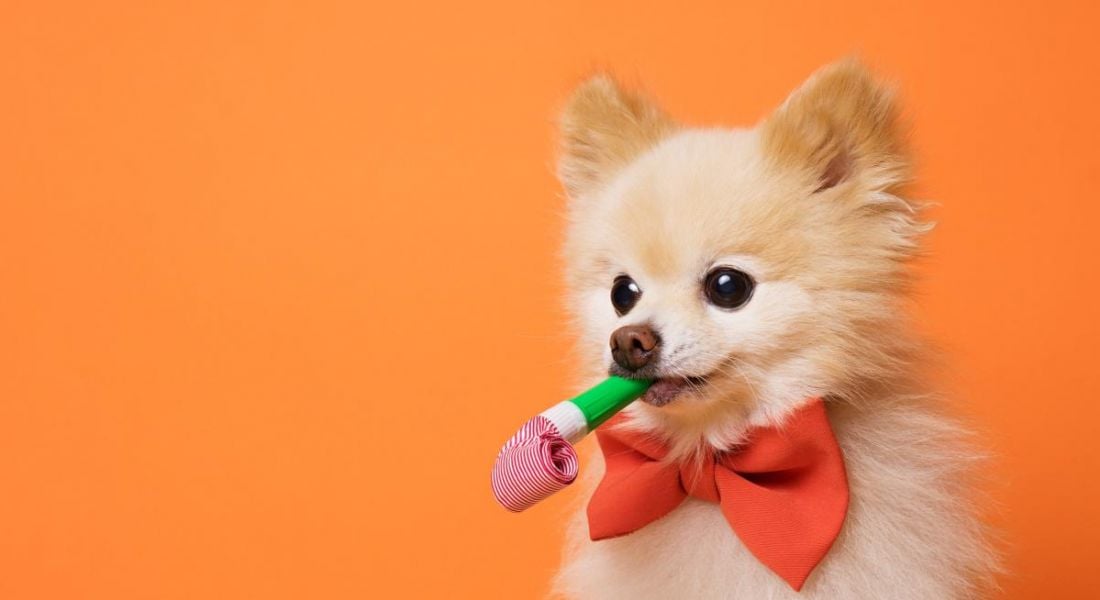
x=540 y=459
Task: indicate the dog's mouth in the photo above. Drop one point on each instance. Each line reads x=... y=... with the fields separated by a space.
x=666 y=389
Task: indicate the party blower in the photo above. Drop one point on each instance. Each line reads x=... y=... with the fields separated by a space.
x=540 y=459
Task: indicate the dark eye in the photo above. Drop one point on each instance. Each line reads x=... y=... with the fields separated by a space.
x=624 y=294
x=726 y=287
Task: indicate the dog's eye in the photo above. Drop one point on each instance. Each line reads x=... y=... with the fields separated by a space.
x=726 y=287
x=624 y=294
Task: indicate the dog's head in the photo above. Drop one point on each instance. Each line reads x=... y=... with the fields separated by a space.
x=744 y=270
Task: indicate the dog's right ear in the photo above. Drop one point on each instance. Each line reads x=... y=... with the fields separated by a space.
x=604 y=127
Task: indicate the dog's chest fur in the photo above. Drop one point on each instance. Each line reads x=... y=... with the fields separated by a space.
x=909 y=533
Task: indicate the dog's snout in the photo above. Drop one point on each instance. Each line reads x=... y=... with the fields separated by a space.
x=634 y=346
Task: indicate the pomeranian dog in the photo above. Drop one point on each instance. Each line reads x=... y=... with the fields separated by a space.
x=759 y=277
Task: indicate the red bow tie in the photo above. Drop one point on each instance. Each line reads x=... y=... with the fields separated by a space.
x=784 y=492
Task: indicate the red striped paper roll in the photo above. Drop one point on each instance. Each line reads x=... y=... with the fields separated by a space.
x=534 y=464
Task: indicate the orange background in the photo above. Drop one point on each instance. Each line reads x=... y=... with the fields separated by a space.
x=277 y=279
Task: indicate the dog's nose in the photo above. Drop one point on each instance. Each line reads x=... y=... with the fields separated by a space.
x=634 y=346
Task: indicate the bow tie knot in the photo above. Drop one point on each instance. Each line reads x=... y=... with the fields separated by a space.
x=697 y=478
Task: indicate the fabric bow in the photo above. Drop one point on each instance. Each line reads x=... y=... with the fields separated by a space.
x=784 y=492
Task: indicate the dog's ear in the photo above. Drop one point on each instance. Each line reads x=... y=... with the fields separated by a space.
x=841 y=125
x=604 y=127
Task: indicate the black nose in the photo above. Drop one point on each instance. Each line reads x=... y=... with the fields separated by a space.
x=634 y=346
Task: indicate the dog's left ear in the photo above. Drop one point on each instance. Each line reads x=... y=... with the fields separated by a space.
x=840 y=126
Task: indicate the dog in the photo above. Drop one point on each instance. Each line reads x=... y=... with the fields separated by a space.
x=752 y=273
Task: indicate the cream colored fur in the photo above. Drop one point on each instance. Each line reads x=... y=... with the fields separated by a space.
x=807 y=203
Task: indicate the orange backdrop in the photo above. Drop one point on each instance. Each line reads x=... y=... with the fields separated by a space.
x=277 y=279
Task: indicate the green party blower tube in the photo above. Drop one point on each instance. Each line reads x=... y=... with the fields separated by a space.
x=600 y=402
x=539 y=459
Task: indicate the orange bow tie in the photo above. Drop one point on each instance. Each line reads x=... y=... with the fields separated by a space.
x=784 y=492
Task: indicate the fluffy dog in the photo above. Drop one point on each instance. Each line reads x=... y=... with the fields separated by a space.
x=748 y=271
